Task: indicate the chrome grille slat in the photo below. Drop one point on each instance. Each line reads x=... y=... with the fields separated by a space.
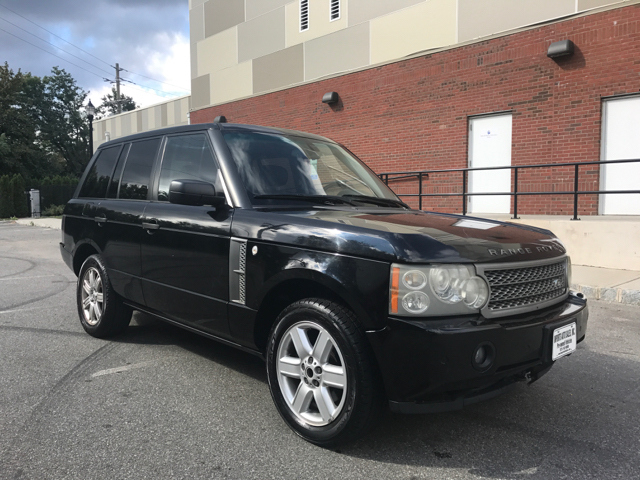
x=519 y=288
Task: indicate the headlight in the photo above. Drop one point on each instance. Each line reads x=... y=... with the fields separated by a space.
x=436 y=290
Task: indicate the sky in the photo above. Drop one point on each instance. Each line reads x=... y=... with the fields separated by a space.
x=148 y=38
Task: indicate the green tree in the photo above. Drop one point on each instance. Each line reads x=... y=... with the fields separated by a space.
x=20 y=151
x=6 y=197
x=17 y=186
x=55 y=104
x=109 y=105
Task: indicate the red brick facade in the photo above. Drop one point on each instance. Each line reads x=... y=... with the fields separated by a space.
x=413 y=114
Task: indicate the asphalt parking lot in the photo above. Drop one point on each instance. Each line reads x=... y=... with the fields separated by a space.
x=159 y=402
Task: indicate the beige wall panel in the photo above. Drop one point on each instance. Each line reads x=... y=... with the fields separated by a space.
x=479 y=18
x=177 y=111
x=363 y=10
x=125 y=121
x=195 y=3
x=320 y=23
x=339 y=52
x=279 y=69
x=200 y=91
x=145 y=120
x=163 y=115
x=587 y=4
x=218 y=52
x=231 y=83
x=193 y=51
x=139 y=121
x=255 y=8
x=261 y=36
x=196 y=24
x=426 y=25
x=219 y=15
x=117 y=123
x=171 y=113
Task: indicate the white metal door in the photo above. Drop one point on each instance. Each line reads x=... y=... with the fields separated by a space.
x=620 y=141
x=490 y=146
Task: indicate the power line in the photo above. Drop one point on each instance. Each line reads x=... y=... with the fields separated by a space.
x=165 y=83
x=55 y=46
x=75 y=46
x=16 y=13
x=141 y=87
x=63 y=59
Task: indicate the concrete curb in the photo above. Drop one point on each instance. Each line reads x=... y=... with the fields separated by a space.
x=55 y=223
x=610 y=295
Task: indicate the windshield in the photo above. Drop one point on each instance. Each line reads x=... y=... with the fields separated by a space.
x=288 y=168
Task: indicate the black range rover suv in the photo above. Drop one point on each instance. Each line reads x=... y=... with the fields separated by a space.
x=285 y=245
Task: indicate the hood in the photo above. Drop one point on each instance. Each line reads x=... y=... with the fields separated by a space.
x=406 y=236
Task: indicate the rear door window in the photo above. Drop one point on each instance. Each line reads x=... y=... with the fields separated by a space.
x=187 y=157
x=95 y=185
x=136 y=177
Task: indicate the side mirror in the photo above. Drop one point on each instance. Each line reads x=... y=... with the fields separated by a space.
x=194 y=192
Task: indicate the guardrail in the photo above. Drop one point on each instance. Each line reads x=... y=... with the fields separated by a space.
x=387 y=177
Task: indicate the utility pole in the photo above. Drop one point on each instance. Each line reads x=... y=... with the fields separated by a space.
x=118 y=70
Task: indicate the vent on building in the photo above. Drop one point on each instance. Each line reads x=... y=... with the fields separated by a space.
x=335 y=10
x=304 y=15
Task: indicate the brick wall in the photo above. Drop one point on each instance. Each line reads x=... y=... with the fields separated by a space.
x=413 y=114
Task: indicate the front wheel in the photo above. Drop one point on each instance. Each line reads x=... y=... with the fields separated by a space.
x=321 y=373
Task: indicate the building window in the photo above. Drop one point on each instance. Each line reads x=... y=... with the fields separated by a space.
x=335 y=10
x=304 y=15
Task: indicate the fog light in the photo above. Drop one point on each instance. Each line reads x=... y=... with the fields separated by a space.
x=481 y=355
x=484 y=356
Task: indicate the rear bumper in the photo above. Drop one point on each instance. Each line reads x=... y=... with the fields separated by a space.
x=427 y=364
x=66 y=256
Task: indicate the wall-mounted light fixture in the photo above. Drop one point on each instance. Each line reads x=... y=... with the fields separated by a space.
x=330 y=97
x=220 y=119
x=560 y=49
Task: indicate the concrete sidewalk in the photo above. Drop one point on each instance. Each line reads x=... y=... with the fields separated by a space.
x=608 y=284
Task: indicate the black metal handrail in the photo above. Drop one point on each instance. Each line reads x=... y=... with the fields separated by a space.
x=386 y=177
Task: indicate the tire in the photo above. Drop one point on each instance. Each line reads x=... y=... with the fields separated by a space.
x=101 y=311
x=321 y=374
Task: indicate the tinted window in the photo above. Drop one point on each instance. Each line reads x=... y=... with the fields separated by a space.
x=95 y=185
x=136 y=177
x=271 y=164
x=187 y=157
x=117 y=173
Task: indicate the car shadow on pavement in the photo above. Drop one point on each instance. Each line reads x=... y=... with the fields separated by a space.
x=148 y=330
x=578 y=421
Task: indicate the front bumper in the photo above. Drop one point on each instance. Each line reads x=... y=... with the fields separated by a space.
x=427 y=364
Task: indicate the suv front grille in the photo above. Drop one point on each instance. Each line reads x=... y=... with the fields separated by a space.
x=526 y=287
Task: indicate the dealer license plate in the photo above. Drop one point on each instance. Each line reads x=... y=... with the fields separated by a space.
x=564 y=341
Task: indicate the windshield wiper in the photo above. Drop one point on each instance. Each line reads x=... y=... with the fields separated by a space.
x=384 y=202
x=324 y=199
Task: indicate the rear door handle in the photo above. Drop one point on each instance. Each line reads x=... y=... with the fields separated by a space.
x=150 y=226
x=100 y=220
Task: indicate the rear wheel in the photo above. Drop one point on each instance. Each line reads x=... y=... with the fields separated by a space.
x=321 y=374
x=102 y=312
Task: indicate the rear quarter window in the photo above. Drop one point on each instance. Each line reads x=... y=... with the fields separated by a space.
x=136 y=177
x=97 y=180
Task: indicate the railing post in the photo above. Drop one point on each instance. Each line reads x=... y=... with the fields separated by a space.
x=464 y=192
x=515 y=194
x=420 y=191
x=575 y=194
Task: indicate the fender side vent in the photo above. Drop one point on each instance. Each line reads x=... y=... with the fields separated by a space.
x=237 y=271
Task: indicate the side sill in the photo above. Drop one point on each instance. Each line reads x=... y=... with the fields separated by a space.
x=199 y=332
